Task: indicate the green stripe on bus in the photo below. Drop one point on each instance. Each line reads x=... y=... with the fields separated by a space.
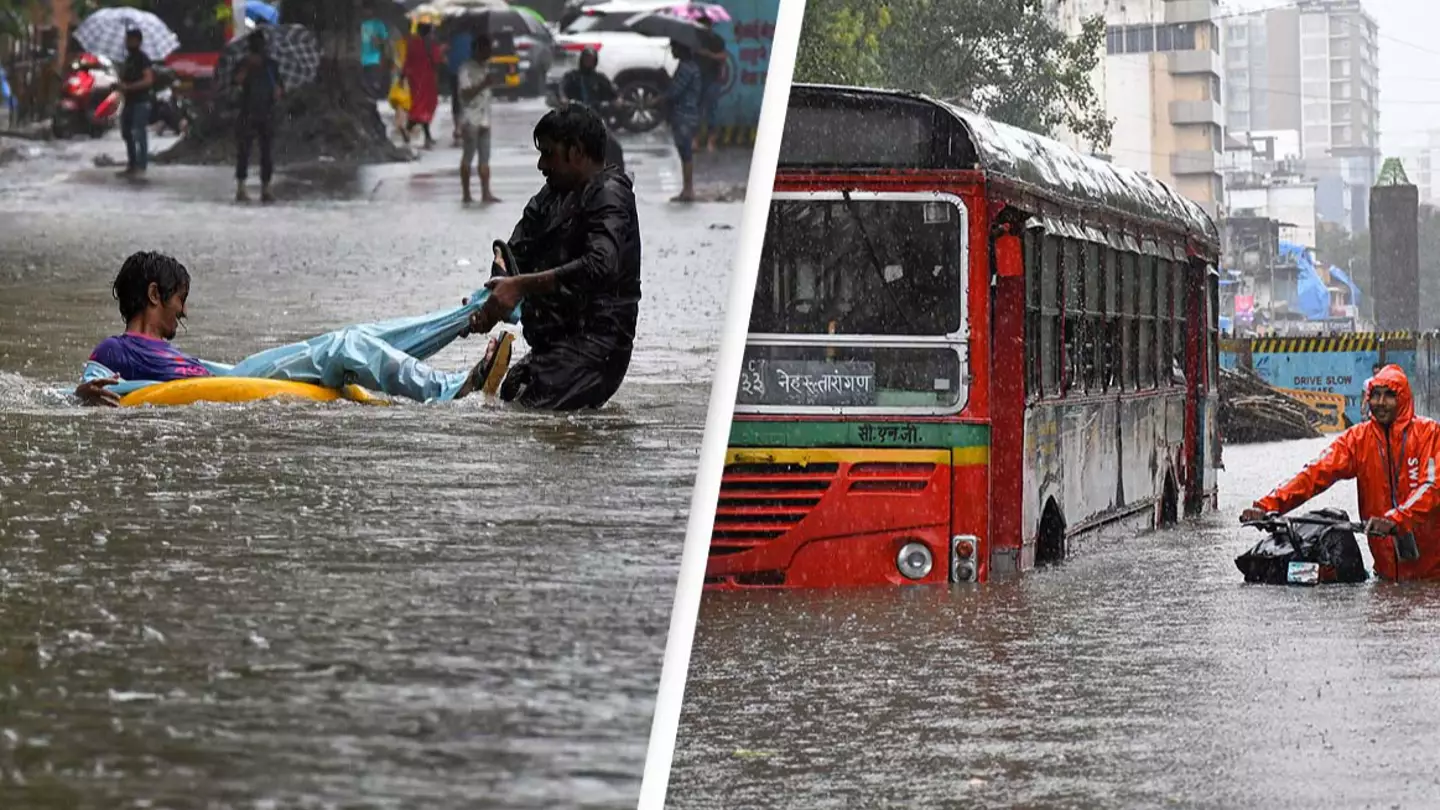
x=857 y=434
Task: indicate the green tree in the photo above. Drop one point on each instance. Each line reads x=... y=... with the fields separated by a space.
x=1003 y=58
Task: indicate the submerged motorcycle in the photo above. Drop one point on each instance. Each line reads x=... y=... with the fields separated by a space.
x=90 y=100
x=1310 y=549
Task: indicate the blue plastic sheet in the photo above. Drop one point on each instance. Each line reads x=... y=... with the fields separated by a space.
x=1344 y=277
x=1312 y=298
x=262 y=12
x=385 y=357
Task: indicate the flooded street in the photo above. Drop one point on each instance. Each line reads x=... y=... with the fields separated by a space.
x=331 y=605
x=1140 y=674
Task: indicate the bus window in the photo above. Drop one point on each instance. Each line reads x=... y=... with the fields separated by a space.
x=1146 y=341
x=1074 y=320
x=1050 y=316
x=1164 y=269
x=1111 y=343
x=1130 y=309
x=1033 y=237
x=1178 y=329
x=1212 y=329
x=1094 y=316
x=895 y=271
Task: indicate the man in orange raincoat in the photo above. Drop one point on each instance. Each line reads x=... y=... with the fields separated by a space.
x=1393 y=457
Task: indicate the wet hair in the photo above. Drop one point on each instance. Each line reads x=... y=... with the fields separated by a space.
x=682 y=51
x=134 y=33
x=424 y=29
x=576 y=125
x=132 y=284
x=592 y=54
x=482 y=46
x=256 y=42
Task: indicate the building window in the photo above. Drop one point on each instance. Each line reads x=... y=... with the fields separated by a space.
x=1185 y=37
x=1215 y=88
x=1217 y=138
x=1114 y=40
x=1164 y=38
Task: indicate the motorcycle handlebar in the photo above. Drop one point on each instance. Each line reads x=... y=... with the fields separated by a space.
x=1276 y=521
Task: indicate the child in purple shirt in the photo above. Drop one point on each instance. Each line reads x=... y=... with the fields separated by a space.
x=152 y=290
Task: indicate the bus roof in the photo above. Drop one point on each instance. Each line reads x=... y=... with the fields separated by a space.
x=1015 y=154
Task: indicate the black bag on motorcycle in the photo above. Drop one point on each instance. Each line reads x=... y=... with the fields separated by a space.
x=1332 y=547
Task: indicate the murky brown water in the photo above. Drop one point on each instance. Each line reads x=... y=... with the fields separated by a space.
x=303 y=605
x=1140 y=674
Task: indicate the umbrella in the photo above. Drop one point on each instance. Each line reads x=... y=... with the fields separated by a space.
x=104 y=33
x=531 y=13
x=682 y=32
x=293 y=47
x=491 y=22
x=694 y=11
x=262 y=12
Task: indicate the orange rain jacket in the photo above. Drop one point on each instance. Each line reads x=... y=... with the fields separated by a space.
x=1395 y=473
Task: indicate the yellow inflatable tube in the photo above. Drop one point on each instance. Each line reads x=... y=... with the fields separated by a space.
x=241 y=389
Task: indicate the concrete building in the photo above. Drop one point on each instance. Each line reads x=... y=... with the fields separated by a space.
x=1311 y=67
x=1160 y=83
x=1422 y=166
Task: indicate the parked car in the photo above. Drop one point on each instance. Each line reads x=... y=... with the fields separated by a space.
x=639 y=66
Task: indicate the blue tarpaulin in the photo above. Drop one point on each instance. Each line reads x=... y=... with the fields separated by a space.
x=1312 y=298
x=1337 y=273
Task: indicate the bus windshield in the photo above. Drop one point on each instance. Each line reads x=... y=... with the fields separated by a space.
x=861 y=266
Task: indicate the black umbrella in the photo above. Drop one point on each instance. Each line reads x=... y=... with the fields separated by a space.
x=675 y=29
x=488 y=22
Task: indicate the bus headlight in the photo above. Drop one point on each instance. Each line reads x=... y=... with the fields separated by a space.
x=962 y=557
x=915 y=560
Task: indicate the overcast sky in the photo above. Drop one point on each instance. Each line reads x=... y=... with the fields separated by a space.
x=1409 y=65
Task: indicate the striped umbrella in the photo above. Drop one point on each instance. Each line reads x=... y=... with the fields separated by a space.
x=293 y=47
x=694 y=11
x=104 y=33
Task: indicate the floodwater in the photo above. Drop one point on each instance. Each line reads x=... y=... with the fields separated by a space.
x=1142 y=673
x=331 y=605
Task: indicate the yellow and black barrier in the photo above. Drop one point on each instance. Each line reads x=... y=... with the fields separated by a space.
x=1330 y=408
x=1356 y=342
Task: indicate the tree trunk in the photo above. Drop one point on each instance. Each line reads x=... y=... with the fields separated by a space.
x=333 y=118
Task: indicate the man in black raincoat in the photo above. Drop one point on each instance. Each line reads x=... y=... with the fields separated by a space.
x=574 y=265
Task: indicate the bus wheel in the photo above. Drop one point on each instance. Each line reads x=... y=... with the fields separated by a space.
x=1050 y=541
x=1169 y=504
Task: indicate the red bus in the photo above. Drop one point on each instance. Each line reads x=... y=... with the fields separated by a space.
x=970 y=348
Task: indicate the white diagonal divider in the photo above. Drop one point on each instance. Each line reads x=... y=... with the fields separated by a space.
x=723 y=391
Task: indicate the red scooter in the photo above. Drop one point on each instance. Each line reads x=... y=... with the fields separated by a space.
x=90 y=101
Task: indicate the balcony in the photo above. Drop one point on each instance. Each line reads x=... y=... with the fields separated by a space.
x=1184 y=63
x=1189 y=11
x=1194 y=161
x=1197 y=112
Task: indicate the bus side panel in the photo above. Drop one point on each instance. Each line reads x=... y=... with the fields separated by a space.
x=1009 y=509
x=1099 y=460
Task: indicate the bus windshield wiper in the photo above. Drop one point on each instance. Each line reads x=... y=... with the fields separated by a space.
x=875 y=260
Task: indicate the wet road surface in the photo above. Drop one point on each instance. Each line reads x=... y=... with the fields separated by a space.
x=305 y=605
x=1140 y=674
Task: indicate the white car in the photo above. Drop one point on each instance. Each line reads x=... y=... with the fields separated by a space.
x=639 y=66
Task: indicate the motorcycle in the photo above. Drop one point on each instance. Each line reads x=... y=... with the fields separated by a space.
x=611 y=113
x=618 y=115
x=1309 y=549
x=170 y=111
x=90 y=100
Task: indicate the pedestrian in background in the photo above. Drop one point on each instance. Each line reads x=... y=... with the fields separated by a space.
x=137 y=75
x=374 y=35
x=473 y=84
x=421 y=56
x=258 y=78
x=457 y=53
x=683 y=100
x=713 y=60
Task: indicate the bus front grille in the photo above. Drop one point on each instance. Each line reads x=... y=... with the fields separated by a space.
x=760 y=502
